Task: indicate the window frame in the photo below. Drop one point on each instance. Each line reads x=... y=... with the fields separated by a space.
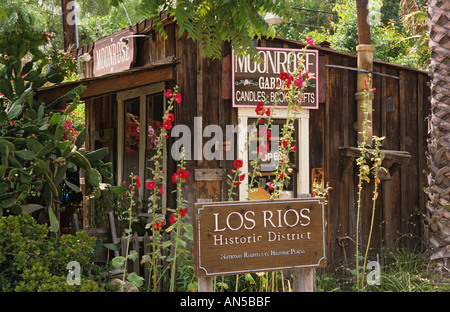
x=142 y=93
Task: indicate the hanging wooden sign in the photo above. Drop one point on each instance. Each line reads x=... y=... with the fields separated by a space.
x=114 y=53
x=254 y=82
x=256 y=236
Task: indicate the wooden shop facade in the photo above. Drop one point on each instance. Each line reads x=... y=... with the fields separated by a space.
x=131 y=86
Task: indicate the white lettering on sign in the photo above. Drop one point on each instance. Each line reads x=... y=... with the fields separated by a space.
x=274 y=62
x=114 y=54
x=236 y=221
x=259 y=80
x=111 y=55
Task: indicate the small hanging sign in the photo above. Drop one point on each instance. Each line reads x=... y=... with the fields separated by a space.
x=114 y=53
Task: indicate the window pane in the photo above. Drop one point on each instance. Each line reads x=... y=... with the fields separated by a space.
x=132 y=132
x=266 y=142
x=155 y=112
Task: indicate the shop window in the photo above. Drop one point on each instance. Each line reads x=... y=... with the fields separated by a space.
x=265 y=141
x=141 y=112
x=132 y=136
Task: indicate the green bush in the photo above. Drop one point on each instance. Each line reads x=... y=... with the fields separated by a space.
x=32 y=260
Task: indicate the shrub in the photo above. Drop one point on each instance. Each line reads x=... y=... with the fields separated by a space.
x=32 y=260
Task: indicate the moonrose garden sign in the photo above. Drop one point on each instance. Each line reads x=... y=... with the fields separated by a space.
x=257 y=236
x=255 y=82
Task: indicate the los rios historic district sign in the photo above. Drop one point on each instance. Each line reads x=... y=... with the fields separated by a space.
x=256 y=236
x=255 y=82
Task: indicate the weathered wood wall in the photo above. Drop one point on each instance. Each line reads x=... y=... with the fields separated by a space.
x=400 y=110
x=400 y=106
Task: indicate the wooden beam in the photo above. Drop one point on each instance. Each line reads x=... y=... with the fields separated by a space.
x=109 y=84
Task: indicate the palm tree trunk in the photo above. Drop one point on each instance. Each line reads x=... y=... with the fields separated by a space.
x=437 y=218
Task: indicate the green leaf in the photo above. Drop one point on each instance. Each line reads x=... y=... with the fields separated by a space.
x=71 y=108
x=117 y=189
x=59 y=133
x=118 y=262
x=94 y=177
x=41 y=111
x=54 y=224
x=132 y=255
x=72 y=186
x=72 y=94
x=6 y=88
x=135 y=279
x=26 y=68
x=46 y=149
x=34 y=145
x=81 y=161
x=249 y=278
x=3 y=116
x=19 y=86
x=81 y=138
x=25 y=154
x=55 y=119
x=97 y=154
x=112 y=246
x=51 y=184
x=6 y=147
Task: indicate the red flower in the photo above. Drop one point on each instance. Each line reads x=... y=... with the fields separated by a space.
x=310 y=41
x=260 y=108
x=178 y=98
x=161 y=189
x=262 y=150
x=271 y=187
x=285 y=144
x=294 y=148
x=268 y=112
x=138 y=182
x=150 y=185
x=159 y=224
x=169 y=93
x=374 y=90
x=242 y=177
x=173 y=218
x=265 y=133
x=183 y=174
x=299 y=82
x=236 y=183
x=182 y=212
x=284 y=76
x=238 y=163
x=289 y=81
x=167 y=125
x=174 y=178
x=170 y=117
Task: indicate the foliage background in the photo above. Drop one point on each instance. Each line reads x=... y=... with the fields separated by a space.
x=400 y=38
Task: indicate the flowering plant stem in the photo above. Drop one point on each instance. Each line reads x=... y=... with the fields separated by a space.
x=363 y=176
x=181 y=214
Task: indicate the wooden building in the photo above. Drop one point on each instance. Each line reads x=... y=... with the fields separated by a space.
x=325 y=136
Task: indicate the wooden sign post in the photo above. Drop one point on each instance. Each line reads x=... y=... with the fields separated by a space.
x=257 y=236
